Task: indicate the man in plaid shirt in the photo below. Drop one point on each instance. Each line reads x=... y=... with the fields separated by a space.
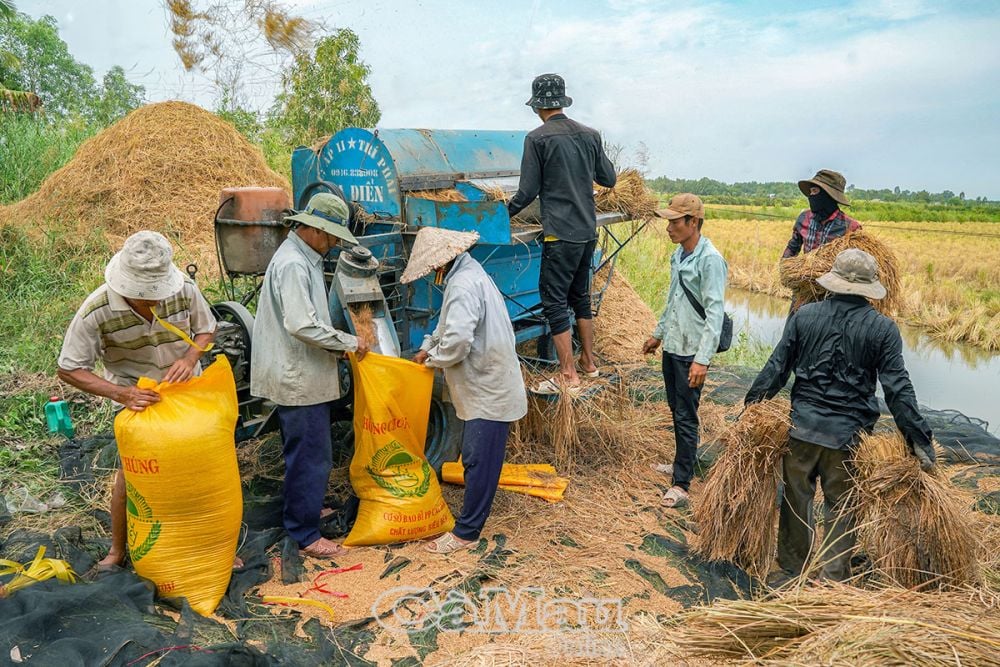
x=824 y=221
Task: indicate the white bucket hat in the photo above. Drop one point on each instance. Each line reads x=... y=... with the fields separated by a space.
x=143 y=268
x=433 y=248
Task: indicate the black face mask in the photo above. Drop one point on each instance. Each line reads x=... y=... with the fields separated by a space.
x=822 y=205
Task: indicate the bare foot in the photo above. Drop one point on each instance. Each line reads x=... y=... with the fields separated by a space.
x=324 y=548
x=112 y=559
x=237 y=563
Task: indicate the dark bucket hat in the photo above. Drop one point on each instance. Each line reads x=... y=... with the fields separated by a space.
x=548 y=91
x=830 y=181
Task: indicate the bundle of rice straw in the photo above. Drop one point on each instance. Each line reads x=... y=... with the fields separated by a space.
x=916 y=527
x=624 y=320
x=737 y=510
x=629 y=196
x=442 y=195
x=836 y=624
x=799 y=273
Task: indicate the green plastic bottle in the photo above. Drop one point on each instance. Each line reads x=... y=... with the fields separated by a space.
x=58 y=418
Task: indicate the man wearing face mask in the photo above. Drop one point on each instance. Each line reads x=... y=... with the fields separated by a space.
x=824 y=221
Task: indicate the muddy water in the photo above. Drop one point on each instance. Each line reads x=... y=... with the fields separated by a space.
x=945 y=376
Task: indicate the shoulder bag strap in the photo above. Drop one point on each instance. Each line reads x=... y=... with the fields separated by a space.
x=694 y=302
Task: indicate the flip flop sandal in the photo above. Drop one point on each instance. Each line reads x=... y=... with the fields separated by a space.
x=596 y=373
x=665 y=468
x=675 y=498
x=447 y=544
x=550 y=388
x=323 y=552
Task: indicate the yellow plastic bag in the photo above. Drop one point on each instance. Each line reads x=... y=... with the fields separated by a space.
x=400 y=496
x=534 y=479
x=184 y=503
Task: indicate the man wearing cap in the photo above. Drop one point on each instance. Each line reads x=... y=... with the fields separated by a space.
x=823 y=221
x=562 y=159
x=121 y=324
x=474 y=343
x=294 y=362
x=837 y=349
x=689 y=330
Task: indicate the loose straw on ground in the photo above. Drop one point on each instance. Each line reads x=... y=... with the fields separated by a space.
x=836 y=624
x=737 y=510
x=916 y=527
x=799 y=273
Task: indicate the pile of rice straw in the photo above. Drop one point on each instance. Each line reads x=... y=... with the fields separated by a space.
x=917 y=528
x=623 y=321
x=442 y=195
x=799 y=273
x=737 y=508
x=836 y=624
x=629 y=196
x=161 y=167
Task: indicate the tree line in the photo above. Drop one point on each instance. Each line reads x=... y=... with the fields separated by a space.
x=783 y=192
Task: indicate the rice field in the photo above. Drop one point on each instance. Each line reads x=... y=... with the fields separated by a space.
x=950 y=270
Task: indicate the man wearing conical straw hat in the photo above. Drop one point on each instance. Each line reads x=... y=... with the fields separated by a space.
x=823 y=221
x=837 y=348
x=562 y=160
x=474 y=343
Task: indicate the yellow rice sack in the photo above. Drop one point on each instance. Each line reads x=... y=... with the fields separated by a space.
x=533 y=479
x=400 y=496
x=184 y=503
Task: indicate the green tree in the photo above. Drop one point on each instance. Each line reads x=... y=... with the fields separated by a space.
x=45 y=66
x=118 y=96
x=326 y=91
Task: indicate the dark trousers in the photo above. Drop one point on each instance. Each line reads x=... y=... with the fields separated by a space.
x=802 y=465
x=484 y=444
x=564 y=282
x=683 y=402
x=308 y=450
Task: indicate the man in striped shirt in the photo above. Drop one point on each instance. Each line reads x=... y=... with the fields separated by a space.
x=823 y=221
x=120 y=325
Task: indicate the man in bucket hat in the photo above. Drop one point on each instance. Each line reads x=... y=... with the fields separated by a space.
x=823 y=221
x=474 y=343
x=837 y=348
x=121 y=324
x=294 y=362
x=562 y=160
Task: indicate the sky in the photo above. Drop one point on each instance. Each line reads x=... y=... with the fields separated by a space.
x=889 y=92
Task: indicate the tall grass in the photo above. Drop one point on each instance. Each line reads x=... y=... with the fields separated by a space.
x=32 y=147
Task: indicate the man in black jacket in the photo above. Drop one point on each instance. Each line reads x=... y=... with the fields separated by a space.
x=561 y=161
x=837 y=348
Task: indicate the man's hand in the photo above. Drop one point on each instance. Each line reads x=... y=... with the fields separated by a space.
x=182 y=370
x=650 y=345
x=420 y=357
x=362 y=349
x=926 y=455
x=696 y=376
x=137 y=399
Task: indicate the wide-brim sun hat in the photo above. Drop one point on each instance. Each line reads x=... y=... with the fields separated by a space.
x=326 y=212
x=854 y=272
x=144 y=269
x=433 y=248
x=832 y=182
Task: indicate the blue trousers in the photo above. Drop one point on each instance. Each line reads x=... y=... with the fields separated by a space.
x=484 y=444
x=308 y=451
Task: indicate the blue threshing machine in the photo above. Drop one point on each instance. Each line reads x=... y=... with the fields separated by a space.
x=395 y=176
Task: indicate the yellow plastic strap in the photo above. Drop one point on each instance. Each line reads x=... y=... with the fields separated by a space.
x=274 y=599
x=174 y=330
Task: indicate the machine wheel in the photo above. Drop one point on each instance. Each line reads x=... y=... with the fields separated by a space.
x=444 y=432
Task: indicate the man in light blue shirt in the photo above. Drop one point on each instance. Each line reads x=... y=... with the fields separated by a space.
x=689 y=338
